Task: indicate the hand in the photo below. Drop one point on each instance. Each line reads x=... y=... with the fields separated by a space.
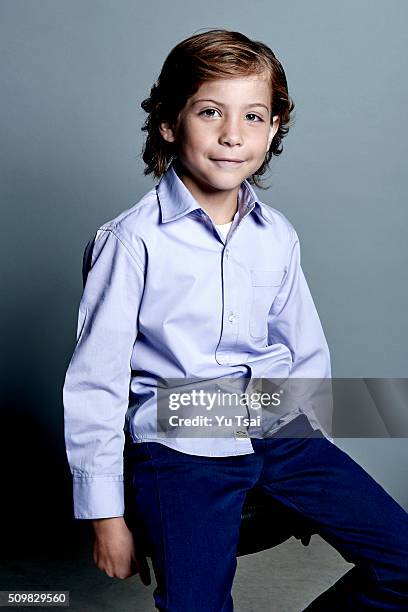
x=114 y=550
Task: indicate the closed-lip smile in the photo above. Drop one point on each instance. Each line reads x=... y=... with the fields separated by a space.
x=228 y=160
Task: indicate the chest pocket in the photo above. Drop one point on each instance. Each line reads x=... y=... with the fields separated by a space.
x=265 y=287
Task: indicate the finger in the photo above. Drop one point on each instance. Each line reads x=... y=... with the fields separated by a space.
x=134 y=567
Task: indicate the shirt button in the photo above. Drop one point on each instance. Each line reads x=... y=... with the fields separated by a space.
x=232 y=318
x=227 y=253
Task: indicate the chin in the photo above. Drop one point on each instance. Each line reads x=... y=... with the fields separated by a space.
x=226 y=178
x=225 y=183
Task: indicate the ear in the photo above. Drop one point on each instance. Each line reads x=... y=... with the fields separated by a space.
x=273 y=129
x=167 y=131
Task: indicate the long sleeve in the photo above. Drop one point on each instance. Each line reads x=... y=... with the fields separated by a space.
x=96 y=387
x=293 y=321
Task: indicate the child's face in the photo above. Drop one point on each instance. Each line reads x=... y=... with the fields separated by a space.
x=226 y=119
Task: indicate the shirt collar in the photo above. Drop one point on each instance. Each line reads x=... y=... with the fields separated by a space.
x=176 y=200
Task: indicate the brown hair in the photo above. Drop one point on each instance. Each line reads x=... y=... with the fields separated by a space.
x=213 y=54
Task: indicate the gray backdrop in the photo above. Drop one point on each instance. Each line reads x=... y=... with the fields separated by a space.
x=73 y=74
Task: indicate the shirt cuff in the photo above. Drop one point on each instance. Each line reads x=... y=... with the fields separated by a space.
x=98 y=496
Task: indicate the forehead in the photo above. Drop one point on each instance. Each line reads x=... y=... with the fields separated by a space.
x=243 y=89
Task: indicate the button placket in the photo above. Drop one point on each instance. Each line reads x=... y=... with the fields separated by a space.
x=230 y=316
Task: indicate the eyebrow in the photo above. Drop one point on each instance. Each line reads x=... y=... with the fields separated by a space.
x=221 y=104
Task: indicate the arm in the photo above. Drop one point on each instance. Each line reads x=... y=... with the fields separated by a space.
x=294 y=322
x=96 y=387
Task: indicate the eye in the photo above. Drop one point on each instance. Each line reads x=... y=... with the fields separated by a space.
x=253 y=115
x=208 y=110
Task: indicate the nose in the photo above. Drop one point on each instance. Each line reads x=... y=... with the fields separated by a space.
x=230 y=133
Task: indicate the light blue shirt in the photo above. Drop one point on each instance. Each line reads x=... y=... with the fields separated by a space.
x=168 y=296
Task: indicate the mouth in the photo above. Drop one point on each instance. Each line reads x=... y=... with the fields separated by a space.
x=228 y=162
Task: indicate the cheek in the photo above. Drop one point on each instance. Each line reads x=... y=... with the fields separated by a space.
x=257 y=137
x=197 y=141
x=258 y=148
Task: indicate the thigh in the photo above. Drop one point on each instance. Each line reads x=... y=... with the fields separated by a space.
x=187 y=510
x=350 y=509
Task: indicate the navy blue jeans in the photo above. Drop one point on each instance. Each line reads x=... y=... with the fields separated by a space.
x=187 y=509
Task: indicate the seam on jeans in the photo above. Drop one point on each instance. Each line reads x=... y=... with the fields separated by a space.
x=287 y=499
x=295 y=507
x=372 y=569
x=162 y=529
x=305 y=515
x=323 y=529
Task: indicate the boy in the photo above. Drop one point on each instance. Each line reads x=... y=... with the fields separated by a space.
x=201 y=280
